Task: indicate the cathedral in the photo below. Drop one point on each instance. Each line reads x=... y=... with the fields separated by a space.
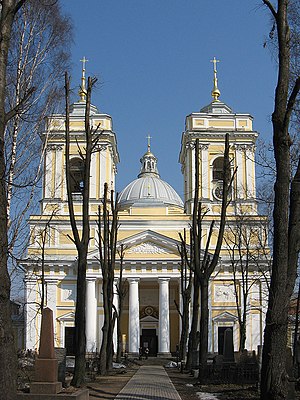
x=151 y=216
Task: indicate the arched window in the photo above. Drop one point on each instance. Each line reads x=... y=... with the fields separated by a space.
x=218 y=169
x=76 y=175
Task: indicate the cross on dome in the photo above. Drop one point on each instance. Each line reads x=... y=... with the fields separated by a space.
x=215 y=92
x=82 y=89
x=149 y=144
x=148 y=161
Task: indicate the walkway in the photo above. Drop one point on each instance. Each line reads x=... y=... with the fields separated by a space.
x=151 y=382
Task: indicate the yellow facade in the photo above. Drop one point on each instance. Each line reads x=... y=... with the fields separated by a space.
x=151 y=216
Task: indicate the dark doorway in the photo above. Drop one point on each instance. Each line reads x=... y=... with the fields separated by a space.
x=149 y=339
x=70 y=341
x=221 y=333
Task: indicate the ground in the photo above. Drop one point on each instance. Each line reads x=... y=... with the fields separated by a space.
x=107 y=387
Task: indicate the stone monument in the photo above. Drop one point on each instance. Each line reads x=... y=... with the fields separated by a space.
x=46 y=385
x=228 y=350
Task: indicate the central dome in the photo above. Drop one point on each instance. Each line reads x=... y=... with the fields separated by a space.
x=148 y=189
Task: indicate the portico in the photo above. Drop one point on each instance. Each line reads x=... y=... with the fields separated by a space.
x=161 y=326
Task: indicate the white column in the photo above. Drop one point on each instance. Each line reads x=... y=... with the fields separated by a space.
x=91 y=314
x=210 y=349
x=48 y=172
x=164 y=317
x=103 y=154
x=134 y=316
x=100 y=316
x=240 y=185
x=93 y=178
x=205 y=172
x=116 y=304
x=250 y=172
x=51 y=299
x=31 y=340
x=58 y=172
x=192 y=177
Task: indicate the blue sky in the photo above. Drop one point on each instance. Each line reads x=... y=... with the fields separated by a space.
x=152 y=59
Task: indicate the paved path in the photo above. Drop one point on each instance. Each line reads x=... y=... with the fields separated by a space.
x=151 y=382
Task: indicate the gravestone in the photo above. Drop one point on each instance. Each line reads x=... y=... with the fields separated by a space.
x=46 y=385
x=228 y=350
x=61 y=355
x=46 y=365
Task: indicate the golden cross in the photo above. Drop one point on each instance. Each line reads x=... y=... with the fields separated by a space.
x=82 y=90
x=215 y=92
x=215 y=61
x=84 y=60
x=148 y=137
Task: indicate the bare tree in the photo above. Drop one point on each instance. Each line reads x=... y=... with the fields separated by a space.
x=186 y=288
x=80 y=228
x=286 y=215
x=201 y=262
x=107 y=231
x=246 y=242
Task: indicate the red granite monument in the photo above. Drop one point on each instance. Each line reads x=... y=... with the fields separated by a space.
x=46 y=385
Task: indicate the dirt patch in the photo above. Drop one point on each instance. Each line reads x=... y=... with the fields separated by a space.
x=108 y=387
x=186 y=386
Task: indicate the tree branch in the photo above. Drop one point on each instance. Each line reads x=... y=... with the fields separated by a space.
x=18 y=5
x=271 y=8
x=17 y=109
x=291 y=101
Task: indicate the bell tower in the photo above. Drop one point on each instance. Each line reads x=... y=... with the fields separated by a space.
x=210 y=125
x=104 y=159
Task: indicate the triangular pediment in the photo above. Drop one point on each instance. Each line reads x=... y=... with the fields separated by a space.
x=225 y=316
x=151 y=243
x=70 y=316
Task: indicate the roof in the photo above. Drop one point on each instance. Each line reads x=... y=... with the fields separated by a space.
x=149 y=189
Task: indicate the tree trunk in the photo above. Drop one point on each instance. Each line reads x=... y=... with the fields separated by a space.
x=273 y=373
x=204 y=317
x=242 y=336
x=8 y=357
x=184 y=326
x=80 y=337
x=193 y=339
x=119 y=332
x=110 y=345
x=103 y=351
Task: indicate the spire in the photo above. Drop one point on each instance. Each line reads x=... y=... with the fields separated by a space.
x=149 y=162
x=82 y=89
x=215 y=92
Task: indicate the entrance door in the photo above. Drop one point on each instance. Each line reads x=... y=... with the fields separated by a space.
x=149 y=339
x=70 y=340
x=221 y=334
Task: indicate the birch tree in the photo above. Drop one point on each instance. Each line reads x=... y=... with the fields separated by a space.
x=38 y=56
x=15 y=101
x=8 y=358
